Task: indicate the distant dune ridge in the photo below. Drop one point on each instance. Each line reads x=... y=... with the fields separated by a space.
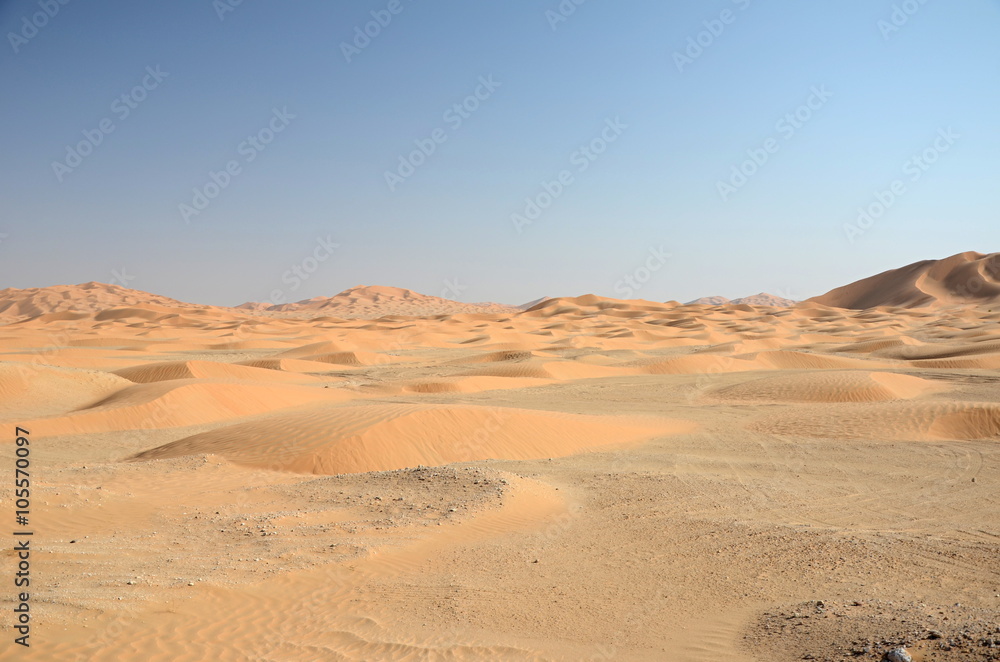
x=83 y=298
x=762 y=299
x=966 y=278
x=363 y=301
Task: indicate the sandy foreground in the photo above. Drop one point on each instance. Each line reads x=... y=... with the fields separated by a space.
x=587 y=480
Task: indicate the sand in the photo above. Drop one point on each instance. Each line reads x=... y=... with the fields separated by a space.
x=587 y=479
x=964 y=278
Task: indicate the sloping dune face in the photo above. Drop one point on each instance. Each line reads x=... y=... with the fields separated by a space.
x=158 y=372
x=28 y=389
x=179 y=403
x=966 y=278
x=924 y=421
x=829 y=386
x=385 y=437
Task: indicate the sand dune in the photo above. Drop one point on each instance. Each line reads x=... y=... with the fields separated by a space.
x=62 y=301
x=288 y=365
x=381 y=438
x=158 y=372
x=377 y=301
x=180 y=403
x=829 y=386
x=893 y=421
x=966 y=278
x=32 y=390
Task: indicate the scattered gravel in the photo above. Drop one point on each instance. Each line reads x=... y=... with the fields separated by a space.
x=876 y=630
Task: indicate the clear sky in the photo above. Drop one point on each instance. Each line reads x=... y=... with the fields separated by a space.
x=609 y=117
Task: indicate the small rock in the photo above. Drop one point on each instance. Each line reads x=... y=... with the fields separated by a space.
x=935 y=634
x=897 y=655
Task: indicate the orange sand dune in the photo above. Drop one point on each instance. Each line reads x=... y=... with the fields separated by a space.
x=76 y=357
x=31 y=390
x=698 y=364
x=158 y=372
x=179 y=403
x=384 y=437
x=960 y=279
x=494 y=357
x=288 y=365
x=55 y=302
x=829 y=386
x=790 y=360
x=473 y=384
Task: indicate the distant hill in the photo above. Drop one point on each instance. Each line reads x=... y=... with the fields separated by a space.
x=762 y=299
x=966 y=278
x=366 y=301
x=709 y=301
x=16 y=304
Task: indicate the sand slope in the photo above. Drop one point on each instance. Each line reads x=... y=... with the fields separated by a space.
x=960 y=279
x=385 y=437
x=58 y=303
x=829 y=386
x=157 y=372
x=32 y=390
x=179 y=403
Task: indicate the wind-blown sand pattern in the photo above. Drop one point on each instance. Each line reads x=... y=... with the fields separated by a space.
x=587 y=479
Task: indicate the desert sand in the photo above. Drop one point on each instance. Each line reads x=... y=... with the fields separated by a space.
x=384 y=475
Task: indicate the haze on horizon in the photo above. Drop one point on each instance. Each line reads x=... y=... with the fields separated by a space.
x=612 y=112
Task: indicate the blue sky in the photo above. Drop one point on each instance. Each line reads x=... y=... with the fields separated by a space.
x=643 y=124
